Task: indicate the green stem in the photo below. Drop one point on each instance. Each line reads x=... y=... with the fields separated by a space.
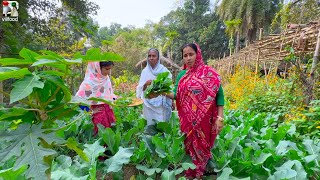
x=57 y=90
x=66 y=112
x=23 y=101
x=67 y=124
x=56 y=108
x=52 y=97
x=66 y=72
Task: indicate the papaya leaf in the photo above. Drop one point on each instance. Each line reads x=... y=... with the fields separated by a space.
x=66 y=174
x=11 y=72
x=9 y=174
x=28 y=55
x=25 y=145
x=64 y=161
x=12 y=112
x=78 y=55
x=23 y=87
x=45 y=93
x=102 y=100
x=115 y=163
x=44 y=62
x=52 y=54
x=14 y=61
x=58 y=82
x=60 y=66
x=73 y=61
x=55 y=73
x=8 y=69
x=94 y=54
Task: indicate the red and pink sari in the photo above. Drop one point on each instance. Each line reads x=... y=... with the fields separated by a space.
x=197 y=109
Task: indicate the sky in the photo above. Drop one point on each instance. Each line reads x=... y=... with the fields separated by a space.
x=132 y=12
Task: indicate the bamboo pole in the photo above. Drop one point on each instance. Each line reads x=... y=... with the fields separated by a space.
x=314 y=65
x=265 y=73
x=260 y=34
x=285 y=70
x=229 y=66
x=271 y=48
x=315 y=57
x=257 y=66
x=244 y=66
x=270 y=68
x=287 y=37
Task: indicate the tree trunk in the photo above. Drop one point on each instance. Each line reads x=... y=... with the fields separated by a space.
x=238 y=42
x=312 y=71
x=251 y=35
x=315 y=57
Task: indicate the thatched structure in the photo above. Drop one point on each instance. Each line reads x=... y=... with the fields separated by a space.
x=165 y=61
x=269 y=51
x=173 y=67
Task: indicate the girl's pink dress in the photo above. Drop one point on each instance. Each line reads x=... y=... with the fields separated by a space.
x=99 y=86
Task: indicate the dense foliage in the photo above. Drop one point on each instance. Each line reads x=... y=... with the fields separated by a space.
x=270 y=132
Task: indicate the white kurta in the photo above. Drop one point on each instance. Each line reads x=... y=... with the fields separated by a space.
x=158 y=108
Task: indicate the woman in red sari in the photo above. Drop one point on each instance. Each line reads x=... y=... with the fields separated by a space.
x=200 y=116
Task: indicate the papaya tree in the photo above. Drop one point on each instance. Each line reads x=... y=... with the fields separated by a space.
x=40 y=100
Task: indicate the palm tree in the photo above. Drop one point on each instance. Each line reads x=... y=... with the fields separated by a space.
x=232 y=27
x=254 y=14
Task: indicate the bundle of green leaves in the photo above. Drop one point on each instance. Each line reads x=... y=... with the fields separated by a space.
x=162 y=84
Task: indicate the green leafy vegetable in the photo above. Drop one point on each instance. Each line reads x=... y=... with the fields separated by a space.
x=162 y=84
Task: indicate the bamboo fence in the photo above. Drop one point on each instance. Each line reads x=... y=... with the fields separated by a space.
x=268 y=52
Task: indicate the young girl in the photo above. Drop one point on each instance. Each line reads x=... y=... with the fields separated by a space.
x=97 y=84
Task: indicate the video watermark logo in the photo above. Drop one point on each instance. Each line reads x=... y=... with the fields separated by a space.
x=10 y=10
